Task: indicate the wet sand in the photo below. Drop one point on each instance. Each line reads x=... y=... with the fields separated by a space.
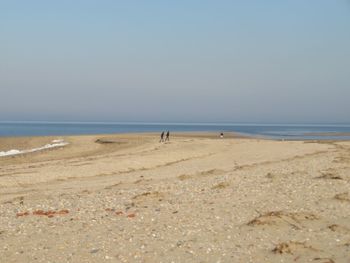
x=197 y=198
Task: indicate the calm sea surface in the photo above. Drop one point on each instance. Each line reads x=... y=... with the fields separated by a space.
x=270 y=131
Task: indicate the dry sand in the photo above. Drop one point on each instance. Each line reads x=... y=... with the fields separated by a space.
x=128 y=198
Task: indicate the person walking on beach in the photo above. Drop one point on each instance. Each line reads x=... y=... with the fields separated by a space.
x=162 y=137
x=167 y=136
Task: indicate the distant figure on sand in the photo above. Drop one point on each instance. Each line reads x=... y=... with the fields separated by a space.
x=222 y=135
x=167 y=136
x=162 y=137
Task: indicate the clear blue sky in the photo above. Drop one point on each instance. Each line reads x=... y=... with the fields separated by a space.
x=201 y=61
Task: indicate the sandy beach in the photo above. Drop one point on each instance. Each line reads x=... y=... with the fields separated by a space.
x=197 y=198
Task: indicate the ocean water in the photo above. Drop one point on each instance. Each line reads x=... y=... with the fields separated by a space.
x=288 y=132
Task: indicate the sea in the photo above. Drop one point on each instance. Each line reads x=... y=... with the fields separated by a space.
x=271 y=131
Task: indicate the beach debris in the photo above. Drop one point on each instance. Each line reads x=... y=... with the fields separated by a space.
x=146 y=195
x=342 y=197
x=183 y=177
x=109 y=141
x=338 y=228
x=221 y=185
x=324 y=260
x=129 y=206
x=120 y=213
x=132 y=215
x=271 y=218
x=212 y=172
x=329 y=175
x=142 y=180
x=48 y=213
x=22 y=214
x=342 y=159
x=180 y=243
x=270 y=175
x=291 y=247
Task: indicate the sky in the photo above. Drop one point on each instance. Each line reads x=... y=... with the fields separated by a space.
x=252 y=61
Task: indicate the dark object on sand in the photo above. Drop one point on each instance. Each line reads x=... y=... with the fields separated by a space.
x=222 y=135
x=162 y=137
x=106 y=141
x=167 y=136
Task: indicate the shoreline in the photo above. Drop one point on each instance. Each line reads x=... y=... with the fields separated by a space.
x=336 y=134
x=262 y=131
x=37 y=144
x=204 y=134
x=20 y=141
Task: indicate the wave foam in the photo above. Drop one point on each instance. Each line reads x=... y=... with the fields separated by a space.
x=53 y=144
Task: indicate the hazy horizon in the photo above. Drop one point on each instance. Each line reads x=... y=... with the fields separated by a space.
x=225 y=123
x=184 y=61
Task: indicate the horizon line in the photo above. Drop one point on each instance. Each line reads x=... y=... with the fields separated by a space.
x=224 y=123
